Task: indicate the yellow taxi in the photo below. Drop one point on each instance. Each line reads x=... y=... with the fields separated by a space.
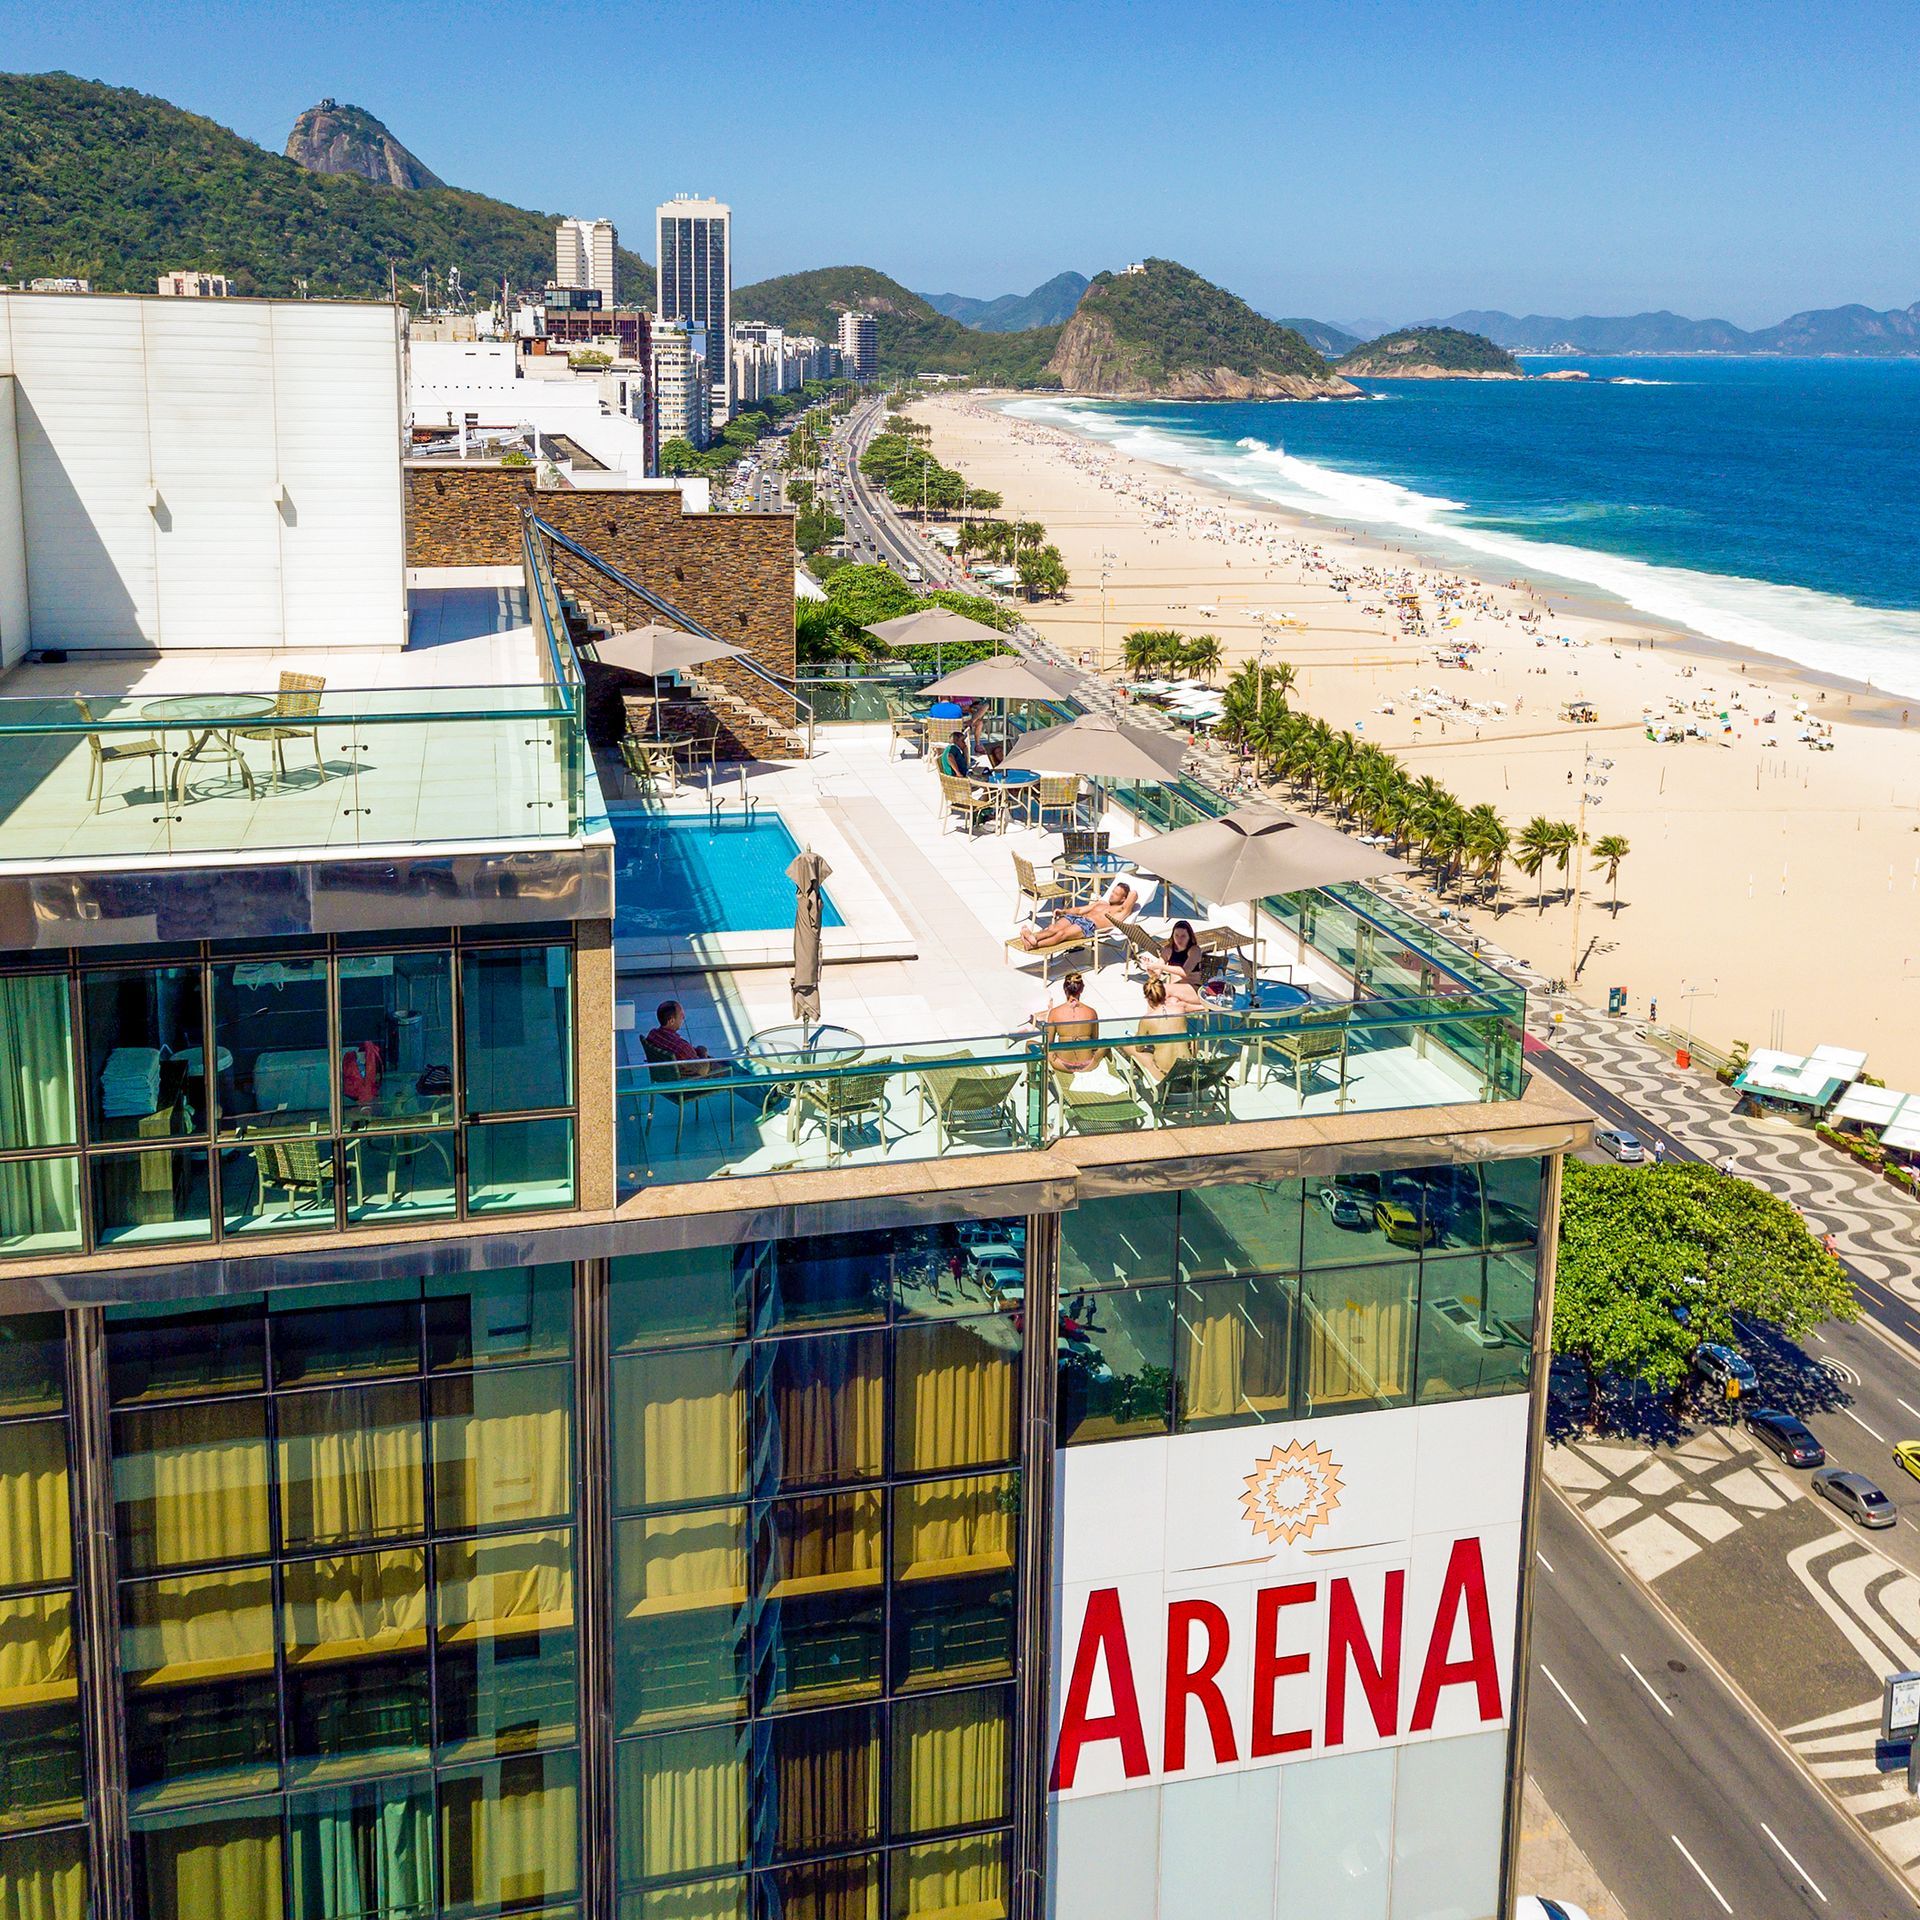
x=1401 y=1224
x=1907 y=1454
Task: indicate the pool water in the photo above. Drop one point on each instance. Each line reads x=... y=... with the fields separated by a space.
x=677 y=875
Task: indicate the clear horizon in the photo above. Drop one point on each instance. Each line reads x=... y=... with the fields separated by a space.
x=1410 y=161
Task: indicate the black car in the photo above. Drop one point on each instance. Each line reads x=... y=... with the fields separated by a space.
x=1792 y=1439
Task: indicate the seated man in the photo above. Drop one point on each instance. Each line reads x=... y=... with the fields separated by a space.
x=667 y=1038
x=1075 y=925
x=1157 y=1061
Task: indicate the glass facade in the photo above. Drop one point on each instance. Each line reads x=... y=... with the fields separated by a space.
x=303 y=1087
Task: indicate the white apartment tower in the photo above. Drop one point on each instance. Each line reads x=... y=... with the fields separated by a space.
x=859 y=346
x=695 y=254
x=583 y=256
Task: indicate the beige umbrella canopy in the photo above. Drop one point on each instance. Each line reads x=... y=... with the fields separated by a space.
x=1001 y=676
x=933 y=626
x=808 y=872
x=654 y=650
x=1100 y=748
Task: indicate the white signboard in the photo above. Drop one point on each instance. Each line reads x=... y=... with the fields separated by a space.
x=1245 y=1598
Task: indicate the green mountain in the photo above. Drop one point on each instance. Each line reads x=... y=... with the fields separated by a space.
x=1322 y=335
x=1160 y=331
x=1048 y=305
x=1430 y=353
x=913 y=338
x=331 y=138
x=121 y=187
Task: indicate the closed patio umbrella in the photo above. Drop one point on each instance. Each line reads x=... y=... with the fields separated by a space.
x=808 y=872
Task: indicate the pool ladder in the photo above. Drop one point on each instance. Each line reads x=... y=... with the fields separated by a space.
x=717 y=799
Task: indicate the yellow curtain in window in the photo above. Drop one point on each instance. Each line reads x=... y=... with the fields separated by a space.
x=503 y=1448
x=687 y=1414
x=949 y=1761
x=352 y=1605
x=214 y=1870
x=36 y=1652
x=685 y=1796
x=827 y=1785
x=199 y=1476
x=947 y=1527
x=519 y=1584
x=954 y=1399
x=351 y=1464
x=828 y=1403
x=204 y=1626
x=826 y=1544
x=517 y=1843
x=688 y=1559
x=1358 y=1343
x=1233 y=1367
x=830 y=1890
x=957 y=1880
x=36 y=1522
x=698 y=1900
x=43 y=1876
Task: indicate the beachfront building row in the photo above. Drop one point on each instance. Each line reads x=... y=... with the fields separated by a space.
x=452 y=1467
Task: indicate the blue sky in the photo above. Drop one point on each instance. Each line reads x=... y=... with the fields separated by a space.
x=1381 y=160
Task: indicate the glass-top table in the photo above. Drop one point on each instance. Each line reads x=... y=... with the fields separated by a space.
x=210 y=719
x=800 y=1043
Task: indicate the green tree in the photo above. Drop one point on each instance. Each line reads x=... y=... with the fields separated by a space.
x=1488 y=844
x=1535 y=847
x=816 y=528
x=678 y=456
x=1201 y=655
x=1608 y=851
x=863 y=596
x=1043 y=573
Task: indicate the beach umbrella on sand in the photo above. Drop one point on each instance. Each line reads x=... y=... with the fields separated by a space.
x=808 y=872
x=1102 y=749
x=1243 y=856
x=654 y=650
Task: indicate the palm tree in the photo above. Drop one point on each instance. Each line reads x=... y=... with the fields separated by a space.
x=1488 y=844
x=1444 y=831
x=1201 y=655
x=1608 y=851
x=1566 y=842
x=1538 y=839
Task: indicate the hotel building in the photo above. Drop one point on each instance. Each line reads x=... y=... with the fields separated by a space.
x=695 y=281
x=455 y=1462
x=859 y=342
x=584 y=256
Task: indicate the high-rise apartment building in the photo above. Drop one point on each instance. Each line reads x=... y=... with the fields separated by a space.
x=189 y=283
x=694 y=252
x=682 y=386
x=583 y=256
x=462 y=1454
x=859 y=347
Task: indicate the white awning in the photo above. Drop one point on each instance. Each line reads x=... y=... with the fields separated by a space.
x=1872 y=1106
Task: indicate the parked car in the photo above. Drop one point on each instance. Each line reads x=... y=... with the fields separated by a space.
x=1720 y=1366
x=1856 y=1496
x=1536 y=1906
x=1622 y=1144
x=1788 y=1436
x=1907 y=1454
x=1401 y=1224
x=1346 y=1208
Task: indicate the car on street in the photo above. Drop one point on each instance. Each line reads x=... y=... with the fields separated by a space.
x=1346 y=1208
x=1856 y=1496
x=1907 y=1455
x=1718 y=1365
x=1788 y=1436
x=1401 y=1224
x=1621 y=1143
x=1536 y=1906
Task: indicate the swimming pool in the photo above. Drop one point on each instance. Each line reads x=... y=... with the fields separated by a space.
x=679 y=874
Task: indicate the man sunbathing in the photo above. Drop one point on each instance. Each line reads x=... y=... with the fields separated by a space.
x=1074 y=926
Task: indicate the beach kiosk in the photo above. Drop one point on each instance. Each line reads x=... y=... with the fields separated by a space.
x=1802 y=1084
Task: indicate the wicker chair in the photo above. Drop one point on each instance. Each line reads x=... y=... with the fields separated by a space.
x=1057 y=793
x=1304 y=1041
x=102 y=754
x=969 y=1098
x=297 y=700
x=905 y=728
x=957 y=796
x=1190 y=1090
x=847 y=1100
x=1079 y=844
x=672 y=1083
x=1032 y=886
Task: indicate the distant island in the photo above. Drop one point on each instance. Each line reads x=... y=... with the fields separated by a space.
x=1852 y=332
x=1429 y=353
x=1159 y=331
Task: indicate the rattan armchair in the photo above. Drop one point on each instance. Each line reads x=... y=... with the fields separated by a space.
x=297 y=700
x=1031 y=886
x=102 y=754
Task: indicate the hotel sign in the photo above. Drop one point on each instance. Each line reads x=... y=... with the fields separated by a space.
x=1244 y=1598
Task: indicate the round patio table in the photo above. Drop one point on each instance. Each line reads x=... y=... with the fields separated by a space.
x=208 y=711
x=777 y=1054
x=1276 y=996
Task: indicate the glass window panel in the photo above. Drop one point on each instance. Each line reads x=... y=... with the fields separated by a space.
x=949 y=1631
x=1514 y=1191
x=516 y=1166
x=823 y=1890
x=345 y=1332
x=682 y=1804
x=696 y=1900
x=173 y=1354
x=40 y=1206
x=509 y=1834
x=955 y=1384
x=223 y=1864
x=959 y=1268
x=825 y=1772
x=1116 y=1365
x=190 y=1483
x=352 y=1465
x=506 y=1642
x=679 y=1426
x=43 y=1876
x=1476 y=1324
x=1236 y=1351
x=1118 y=1242
x=1338 y=1223
x=950 y=1880
x=1349 y=1794
x=1232 y=1230
x=493 y=1319
x=400 y=1176
x=396 y=1039
x=40 y=1773
x=196 y=1654
x=33 y=1364
x=662 y=1299
x=830 y=1279
x=36 y=1520
x=1356 y=1326
x=824 y=1402
x=362 y=1852
x=151 y=1197
x=270 y=1023
x=356 y=1652
x=680 y=1640
x=37 y=1106
x=1450 y=1205
x=820 y=1632
x=949 y=1529
x=1448 y=1807
x=952 y=1760
x=145 y=1062
x=502 y=1447
x=517 y=1008
x=278 y=1186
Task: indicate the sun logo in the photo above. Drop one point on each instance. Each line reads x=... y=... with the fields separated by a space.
x=1291 y=1492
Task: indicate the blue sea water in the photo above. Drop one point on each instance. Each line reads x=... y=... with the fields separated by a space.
x=1771 y=504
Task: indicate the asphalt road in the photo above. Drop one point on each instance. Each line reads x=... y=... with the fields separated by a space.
x=1687 y=1810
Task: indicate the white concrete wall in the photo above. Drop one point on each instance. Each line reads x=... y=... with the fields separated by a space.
x=209 y=473
x=16 y=625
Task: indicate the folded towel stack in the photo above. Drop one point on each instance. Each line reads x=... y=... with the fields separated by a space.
x=130 y=1083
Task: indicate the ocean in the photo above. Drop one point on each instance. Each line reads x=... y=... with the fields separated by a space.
x=1769 y=504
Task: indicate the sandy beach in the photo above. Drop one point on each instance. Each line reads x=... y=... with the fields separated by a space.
x=1775 y=864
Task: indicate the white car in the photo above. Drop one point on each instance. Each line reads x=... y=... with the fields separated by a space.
x=1536 y=1906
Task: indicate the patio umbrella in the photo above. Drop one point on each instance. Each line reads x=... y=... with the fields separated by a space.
x=808 y=872
x=1243 y=856
x=1102 y=749
x=934 y=627
x=654 y=650
x=1001 y=676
